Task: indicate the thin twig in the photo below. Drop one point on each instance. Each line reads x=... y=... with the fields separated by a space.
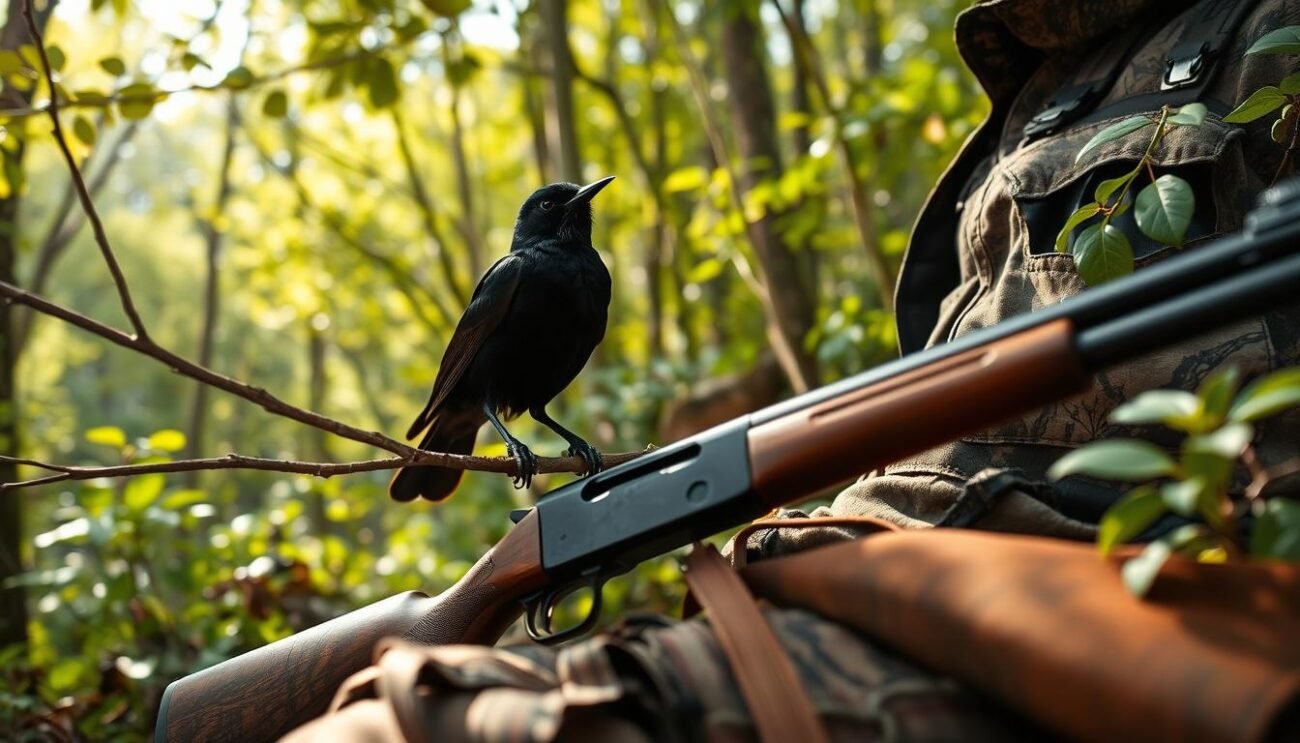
x=124 y=293
x=503 y=465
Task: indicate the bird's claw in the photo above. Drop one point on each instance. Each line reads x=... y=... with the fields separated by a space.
x=525 y=464
x=589 y=455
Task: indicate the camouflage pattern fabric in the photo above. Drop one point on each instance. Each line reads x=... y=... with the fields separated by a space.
x=1022 y=51
x=652 y=679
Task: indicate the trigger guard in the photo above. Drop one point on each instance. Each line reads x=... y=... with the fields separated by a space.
x=542 y=605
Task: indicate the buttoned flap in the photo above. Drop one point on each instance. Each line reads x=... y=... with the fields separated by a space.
x=1049 y=185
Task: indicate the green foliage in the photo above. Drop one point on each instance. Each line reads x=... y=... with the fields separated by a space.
x=1285 y=95
x=1284 y=40
x=1164 y=207
x=1218 y=423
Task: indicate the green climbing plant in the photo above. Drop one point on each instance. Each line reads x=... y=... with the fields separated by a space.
x=1219 y=426
x=1283 y=97
x=1163 y=208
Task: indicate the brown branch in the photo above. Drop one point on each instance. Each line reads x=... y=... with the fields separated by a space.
x=124 y=293
x=503 y=465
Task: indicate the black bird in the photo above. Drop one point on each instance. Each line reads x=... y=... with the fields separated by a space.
x=534 y=319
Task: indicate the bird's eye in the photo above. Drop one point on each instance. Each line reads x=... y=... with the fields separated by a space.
x=546 y=206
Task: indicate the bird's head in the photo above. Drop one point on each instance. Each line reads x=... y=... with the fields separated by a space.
x=558 y=211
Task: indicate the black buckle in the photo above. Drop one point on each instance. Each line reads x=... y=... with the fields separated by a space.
x=1057 y=114
x=1184 y=65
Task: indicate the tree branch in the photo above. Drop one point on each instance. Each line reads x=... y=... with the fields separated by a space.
x=503 y=465
x=124 y=293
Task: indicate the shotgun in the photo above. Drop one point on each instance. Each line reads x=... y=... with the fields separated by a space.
x=580 y=535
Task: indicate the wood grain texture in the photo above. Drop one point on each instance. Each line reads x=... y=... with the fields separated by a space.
x=265 y=693
x=843 y=437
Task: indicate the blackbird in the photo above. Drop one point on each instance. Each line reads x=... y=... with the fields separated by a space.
x=533 y=321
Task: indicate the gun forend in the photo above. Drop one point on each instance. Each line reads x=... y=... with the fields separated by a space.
x=817 y=446
x=265 y=693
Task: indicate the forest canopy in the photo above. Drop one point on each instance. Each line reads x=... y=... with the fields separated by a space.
x=301 y=195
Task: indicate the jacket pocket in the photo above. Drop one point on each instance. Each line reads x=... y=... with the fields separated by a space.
x=1048 y=185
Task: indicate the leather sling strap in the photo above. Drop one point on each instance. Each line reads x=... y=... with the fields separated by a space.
x=766 y=677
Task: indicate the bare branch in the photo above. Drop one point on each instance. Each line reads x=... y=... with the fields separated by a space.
x=101 y=239
x=503 y=465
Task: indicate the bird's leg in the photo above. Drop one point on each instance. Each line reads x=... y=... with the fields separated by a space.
x=524 y=458
x=577 y=446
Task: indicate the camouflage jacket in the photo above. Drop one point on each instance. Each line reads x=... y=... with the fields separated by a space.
x=982 y=251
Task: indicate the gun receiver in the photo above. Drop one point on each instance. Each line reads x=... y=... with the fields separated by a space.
x=592 y=529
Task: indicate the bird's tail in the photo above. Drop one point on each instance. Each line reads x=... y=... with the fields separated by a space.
x=449 y=434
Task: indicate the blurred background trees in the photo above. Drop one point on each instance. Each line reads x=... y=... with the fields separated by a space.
x=303 y=194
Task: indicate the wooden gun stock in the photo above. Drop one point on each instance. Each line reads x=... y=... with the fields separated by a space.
x=265 y=693
x=829 y=442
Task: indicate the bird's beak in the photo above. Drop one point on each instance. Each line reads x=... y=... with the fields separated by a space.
x=585 y=193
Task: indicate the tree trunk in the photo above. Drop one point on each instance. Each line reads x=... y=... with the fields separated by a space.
x=561 y=124
x=469 y=226
x=13 y=599
x=754 y=118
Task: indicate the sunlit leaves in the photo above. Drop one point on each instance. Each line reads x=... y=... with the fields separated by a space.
x=448 y=8
x=1113 y=132
x=1164 y=209
x=1267 y=396
x=142 y=491
x=168 y=440
x=1277 y=531
x=1157 y=406
x=1260 y=104
x=113 y=65
x=107 y=436
x=1192 y=114
x=136 y=101
x=686 y=179
x=1140 y=572
x=276 y=104
x=1101 y=253
x=1129 y=517
x=1285 y=40
x=238 y=78
x=1128 y=460
x=381 y=83
x=1080 y=215
x=83 y=130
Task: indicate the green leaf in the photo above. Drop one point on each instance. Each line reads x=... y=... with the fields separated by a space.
x=1183 y=496
x=1216 y=393
x=83 y=130
x=1192 y=114
x=276 y=104
x=136 y=101
x=1260 y=104
x=66 y=675
x=113 y=65
x=10 y=62
x=1157 y=406
x=1129 y=460
x=58 y=60
x=381 y=83
x=1140 y=572
x=1113 y=132
x=1128 y=517
x=239 y=78
x=107 y=436
x=686 y=179
x=1102 y=253
x=1111 y=185
x=705 y=270
x=1277 y=531
x=142 y=491
x=179 y=499
x=1164 y=209
x=1267 y=396
x=448 y=8
x=1290 y=84
x=1285 y=40
x=168 y=439
x=1227 y=442
x=1080 y=215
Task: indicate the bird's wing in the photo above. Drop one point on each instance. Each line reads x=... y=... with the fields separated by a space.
x=489 y=304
